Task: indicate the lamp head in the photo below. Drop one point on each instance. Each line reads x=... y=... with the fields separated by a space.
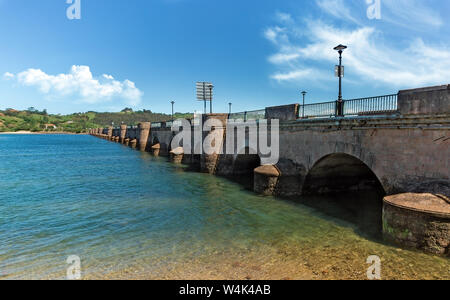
x=340 y=48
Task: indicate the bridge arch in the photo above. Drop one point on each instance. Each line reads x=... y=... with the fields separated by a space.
x=155 y=140
x=246 y=161
x=340 y=172
x=343 y=186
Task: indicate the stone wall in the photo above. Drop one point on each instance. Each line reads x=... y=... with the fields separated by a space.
x=406 y=154
x=425 y=101
x=132 y=133
x=282 y=113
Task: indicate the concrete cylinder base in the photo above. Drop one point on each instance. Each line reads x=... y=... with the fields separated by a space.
x=176 y=155
x=156 y=149
x=420 y=221
x=266 y=179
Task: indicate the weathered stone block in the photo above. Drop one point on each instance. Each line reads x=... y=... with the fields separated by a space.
x=427 y=101
x=283 y=113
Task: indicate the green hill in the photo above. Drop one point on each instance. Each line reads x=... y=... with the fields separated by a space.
x=32 y=120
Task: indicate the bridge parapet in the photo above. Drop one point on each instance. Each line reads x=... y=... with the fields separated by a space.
x=425 y=101
x=283 y=113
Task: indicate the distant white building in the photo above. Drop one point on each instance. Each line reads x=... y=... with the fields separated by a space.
x=51 y=126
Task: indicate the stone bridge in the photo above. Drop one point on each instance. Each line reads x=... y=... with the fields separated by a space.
x=404 y=151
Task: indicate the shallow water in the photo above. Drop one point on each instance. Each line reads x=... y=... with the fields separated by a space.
x=129 y=215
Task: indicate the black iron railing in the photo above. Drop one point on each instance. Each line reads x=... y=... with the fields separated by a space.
x=318 y=110
x=371 y=106
x=379 y=105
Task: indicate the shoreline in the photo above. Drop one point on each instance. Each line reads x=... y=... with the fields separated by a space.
x=39 y=133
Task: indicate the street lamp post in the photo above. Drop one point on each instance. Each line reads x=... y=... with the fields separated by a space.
x=211 y=100
x=303 y=106
x=172 y=102
x=340 y=74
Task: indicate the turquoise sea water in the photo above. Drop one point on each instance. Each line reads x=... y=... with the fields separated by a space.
x=127 y=214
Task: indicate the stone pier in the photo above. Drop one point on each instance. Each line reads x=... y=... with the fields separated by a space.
x=123 y=133
x=214 y=139
x=144 y=131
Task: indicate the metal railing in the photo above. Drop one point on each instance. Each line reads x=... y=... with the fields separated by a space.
x=318 y=110
x=369 y=106
x=254 y=115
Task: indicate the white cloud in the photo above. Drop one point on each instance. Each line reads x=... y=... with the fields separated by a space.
x=293 y=75
x=275 y=33
x=412 y=13
x=283 y=57
x=337 y=8
x=8 y=75
x=284 y=17
x=370 y=59
x=80 y=82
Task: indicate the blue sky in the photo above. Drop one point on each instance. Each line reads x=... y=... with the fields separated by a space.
x=258 y=53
